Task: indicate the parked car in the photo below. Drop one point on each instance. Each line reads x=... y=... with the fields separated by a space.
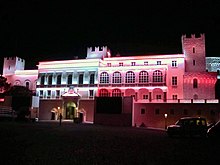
x=188 y=126
x=214 y=131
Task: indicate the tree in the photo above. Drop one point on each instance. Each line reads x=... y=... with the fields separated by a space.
x=4 y=85
x=21 y=100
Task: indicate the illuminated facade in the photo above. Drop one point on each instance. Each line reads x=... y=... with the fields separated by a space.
x=72 y=85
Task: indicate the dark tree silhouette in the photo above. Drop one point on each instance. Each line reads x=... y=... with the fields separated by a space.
x=4 y=85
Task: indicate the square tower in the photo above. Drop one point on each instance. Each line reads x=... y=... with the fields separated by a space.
x=11 y=64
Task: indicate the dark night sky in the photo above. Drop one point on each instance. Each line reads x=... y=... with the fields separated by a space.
x=57 y=30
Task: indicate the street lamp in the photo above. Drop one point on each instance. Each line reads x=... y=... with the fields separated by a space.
x=165 y=117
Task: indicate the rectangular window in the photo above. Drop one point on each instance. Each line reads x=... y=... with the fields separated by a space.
x=174 y=63
x=48 y=93
x=143 y=111
x=58 y=93
x=41 y=93
x=133 y=63
x=81 y=79
x=174 y=97
x=157 y=111
x=158 y=97
x=194 y=62
x=158 y=62
x=91 y=93
x=120 y=63
x=194 y=50
x=145 y=96
x=145 y=62
x=174 y=80
x=108 y=64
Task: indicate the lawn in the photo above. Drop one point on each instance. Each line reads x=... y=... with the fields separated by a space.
x=49 y=143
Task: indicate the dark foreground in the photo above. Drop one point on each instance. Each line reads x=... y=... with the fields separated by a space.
x=49 y=143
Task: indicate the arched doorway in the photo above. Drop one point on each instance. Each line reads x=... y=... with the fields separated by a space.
x=70 y=110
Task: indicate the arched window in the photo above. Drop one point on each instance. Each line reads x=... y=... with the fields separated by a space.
x=92 y=79
x=130 y=77
x=103 y=93
x=195 y=96
x=104 y=78
x=157 y=76
x=27 y=84
x=50 y=80
x=195 y=83
x=69 y=79
x=80 y=79
x=58 y=79
x=116 y=93
x=116 y=78
x=143 y=77
x=42 y=79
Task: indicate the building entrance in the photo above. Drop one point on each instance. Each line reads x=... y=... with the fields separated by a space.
x=70 y=110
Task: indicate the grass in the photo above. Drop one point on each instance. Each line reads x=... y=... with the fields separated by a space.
x=49 y=143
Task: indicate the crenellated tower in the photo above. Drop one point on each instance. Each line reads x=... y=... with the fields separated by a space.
x=98 y=52
x=194 y=50
x=11 y=64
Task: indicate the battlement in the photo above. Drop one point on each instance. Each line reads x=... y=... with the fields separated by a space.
x=11 y=64
x=98 y=52
x=193 y=36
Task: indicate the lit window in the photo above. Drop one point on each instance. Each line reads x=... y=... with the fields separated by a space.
x=116 y=93
x=158 y=62
x=120 y=63
x=116 y=78
x=195 y=83
x=104 y=78
x=174 y=97
x=157 y=76
x=130 y=77
x=145 y=62
x=133 y=63
x=174 y=80
x=103 y=93
x=143 y=77
x=174 y=63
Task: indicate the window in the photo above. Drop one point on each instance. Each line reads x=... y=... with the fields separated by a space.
x=195 y=97
x=172 y=111
x=116 y=78
x=91 y=93
x=133 y=63
x=143 y=77
x=130 y=77
x=103 y=93
x=174 y=80
x=143 y=111
x=50 y=79
x=69 y=79
x=80 y=79
x=42 y=80
x=120 y=63
x=58 y=79
x=174 y=97
x=92 y=79
x=157 y=76
x=174 y=63
x=27 y=84
x=194 y=62
x=57 y=93
x=185 y=112
x=158 y=62
x=195 y=83
x=145 y=97
x=157 y=111
x=194 y=50
x=108 y=64
x=41 y=93
x=145 y=62
x=48 y=93
x=116 y=93
x=158 y=97
x=104 y=78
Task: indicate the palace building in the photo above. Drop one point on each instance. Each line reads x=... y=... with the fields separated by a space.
x=151 y=88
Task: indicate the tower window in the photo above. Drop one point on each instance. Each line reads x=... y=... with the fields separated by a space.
x=174 y=63
x=194 y=50
x=174 y=80
x=195 y=83
x=142 y=111
x=194 y=62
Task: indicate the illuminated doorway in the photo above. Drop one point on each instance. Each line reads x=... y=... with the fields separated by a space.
x=70 y=110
